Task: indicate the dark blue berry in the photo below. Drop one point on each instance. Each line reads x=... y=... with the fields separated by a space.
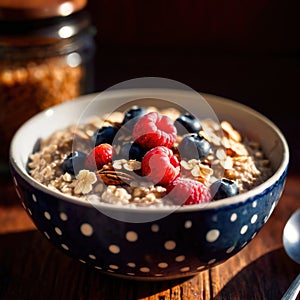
x=74 y=162
x=37 y=145
x=187 y=123
x=132 y=151
x=194 y=146
x=133 y=115
x=103 y=135
x=223 y=188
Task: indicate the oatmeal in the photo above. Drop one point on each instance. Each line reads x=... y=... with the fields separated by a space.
x=149 y=157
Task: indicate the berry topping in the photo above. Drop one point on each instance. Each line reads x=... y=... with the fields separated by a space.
x=104 y=135
x=99 y=156
x=160 y=165
x=132 y=151
x=185 y=191
x=133 y=114
x=74 y=162
x=223 y=188
x=187 y=123
x=194 y=146
x=154 y=129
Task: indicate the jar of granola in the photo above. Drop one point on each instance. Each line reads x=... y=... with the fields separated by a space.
x=46 y=57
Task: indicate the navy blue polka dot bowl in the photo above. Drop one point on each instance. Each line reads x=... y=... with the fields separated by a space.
x=145 y=243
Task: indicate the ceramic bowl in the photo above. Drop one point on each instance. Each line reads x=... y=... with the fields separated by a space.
x=159 y=244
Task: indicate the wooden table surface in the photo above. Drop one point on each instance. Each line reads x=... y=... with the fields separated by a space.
x=31 y=268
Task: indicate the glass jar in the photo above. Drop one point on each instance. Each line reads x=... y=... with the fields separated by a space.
x=43 y=62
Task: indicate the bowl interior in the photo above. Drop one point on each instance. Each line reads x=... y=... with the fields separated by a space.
x=249 y=122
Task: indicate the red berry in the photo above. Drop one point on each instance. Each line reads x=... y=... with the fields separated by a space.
x=154 y=129
x=99 y=156
x=160 y=165
x=186 y=191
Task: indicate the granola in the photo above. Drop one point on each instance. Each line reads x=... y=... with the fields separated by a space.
x=232 y=156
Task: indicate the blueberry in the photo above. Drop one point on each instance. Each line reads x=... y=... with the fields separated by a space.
x=223 y=188
x=132 y=151
x=194 y=146
x=74 y=162
x=103 y=135
x=133 y=114
x=188 y=123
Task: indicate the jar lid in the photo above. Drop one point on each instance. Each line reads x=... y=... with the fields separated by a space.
x=37 y=32
x=38 y=9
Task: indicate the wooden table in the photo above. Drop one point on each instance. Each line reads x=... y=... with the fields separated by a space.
x=31 y=268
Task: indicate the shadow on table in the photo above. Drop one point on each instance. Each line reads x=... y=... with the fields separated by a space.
x=32 y=268
x=8 y=195
x=268 y=277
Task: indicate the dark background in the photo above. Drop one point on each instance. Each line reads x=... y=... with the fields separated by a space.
x=247 y=51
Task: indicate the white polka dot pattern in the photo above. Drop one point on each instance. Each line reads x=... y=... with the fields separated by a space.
x=18 y=193
x=212 y=235
x=162 y=265
x=58 y=231
x=170 y=245
x=180 y=258
x=46 y=235
x=233 y=217
x=64 y=246
x=272 y=209
x=131 y=265
x=47 y=215
x=145 y=270
x=86 y=229
x=184 y=269
x=244 y=229
x=155 y=228
x=188 y=224
x=254 y=219
x=23 y=204
x=63 y=216
x=114 y=267
x=119 y=244
x=131 y=236
x=114 y=249
x=229 y=250
x=34 y=198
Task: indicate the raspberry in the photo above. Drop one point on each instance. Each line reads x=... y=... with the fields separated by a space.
x=160 y=165
x=154 y=129
x=99 y=156
x=187 y=191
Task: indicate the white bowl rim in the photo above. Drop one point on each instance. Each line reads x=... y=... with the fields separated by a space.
x=188 y=208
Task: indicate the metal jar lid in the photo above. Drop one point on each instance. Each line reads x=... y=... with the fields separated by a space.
x=45 y=37
x=38 y=9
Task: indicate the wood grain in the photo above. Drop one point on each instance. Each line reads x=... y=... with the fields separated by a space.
x=31 y=268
